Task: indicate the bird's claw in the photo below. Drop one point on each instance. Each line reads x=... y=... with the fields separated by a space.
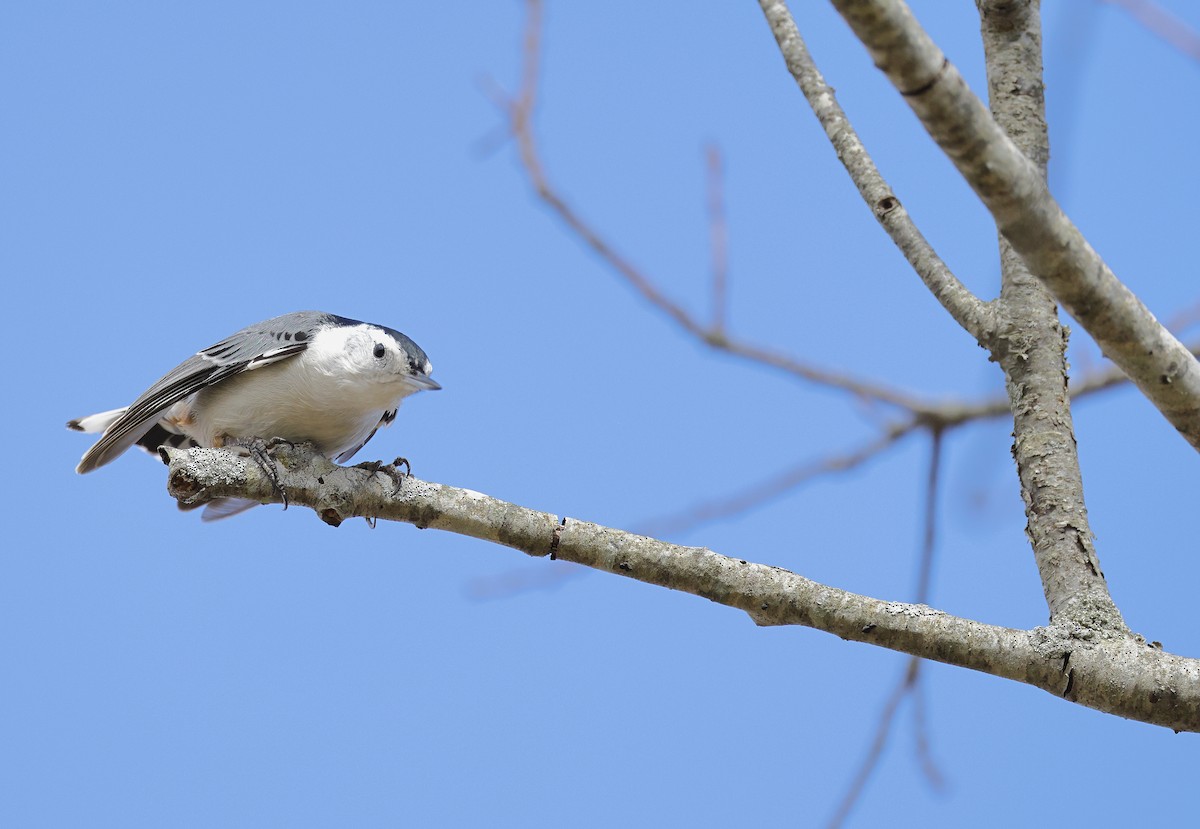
x=391 y=470
x=262 y=451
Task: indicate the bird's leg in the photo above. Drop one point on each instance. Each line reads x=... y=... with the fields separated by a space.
x=390 y=469
x=262 y=453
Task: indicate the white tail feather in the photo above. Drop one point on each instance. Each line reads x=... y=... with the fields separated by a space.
x=98 y=422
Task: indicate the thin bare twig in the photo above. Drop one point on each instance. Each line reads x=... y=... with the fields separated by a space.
x=1163 y=24
x=520 y=113
x=1012 y=187
x=878 y=744
x=929 y=520
x=967 y=309
x=719 y=233
x=1184 y=319
x=924 y=588
x=921 y=734
x=760 y=493
x=527 y=579
x=949 y=414
x=910 y=681
x=517 y=580
x=936 y=417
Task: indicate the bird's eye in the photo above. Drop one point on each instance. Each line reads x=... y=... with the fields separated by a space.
x=380 y=350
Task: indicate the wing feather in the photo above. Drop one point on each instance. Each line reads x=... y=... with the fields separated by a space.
x=387 y=418
x=253 y=347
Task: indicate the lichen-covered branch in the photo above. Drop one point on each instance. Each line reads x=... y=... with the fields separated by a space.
x=1119 y=674
x=1031 y=345
x=1015 y=192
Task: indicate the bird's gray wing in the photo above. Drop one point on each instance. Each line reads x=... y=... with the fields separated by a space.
x=387 y=418
x=253 y=347
x=221 y=508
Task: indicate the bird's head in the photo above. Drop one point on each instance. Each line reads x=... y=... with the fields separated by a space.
x=374 y=354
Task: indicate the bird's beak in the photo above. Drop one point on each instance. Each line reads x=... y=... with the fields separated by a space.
x=424 y=383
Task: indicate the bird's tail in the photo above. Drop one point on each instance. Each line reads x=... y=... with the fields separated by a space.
x=94 y=424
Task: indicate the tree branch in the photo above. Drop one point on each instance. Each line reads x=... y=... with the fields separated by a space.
x=1119 y=674
x=909 y=683
x=1164 y=25
x=1031 y=345
x=520 y=113
x=763 y=491
x=968 y=310
x=718 y=231
x=883 y=730
x=1015 y=193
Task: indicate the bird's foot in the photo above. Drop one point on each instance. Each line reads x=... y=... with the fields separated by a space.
x=263 y=453
x=392 y=470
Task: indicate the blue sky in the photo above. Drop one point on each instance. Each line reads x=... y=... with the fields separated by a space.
x=173 y=172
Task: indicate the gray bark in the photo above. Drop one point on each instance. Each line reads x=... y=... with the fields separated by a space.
x=1014 y=190
x=1087 y=655
x=1116 y=673
x=1031 y=345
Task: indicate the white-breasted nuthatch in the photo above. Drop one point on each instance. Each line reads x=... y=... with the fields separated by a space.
x=305 y=376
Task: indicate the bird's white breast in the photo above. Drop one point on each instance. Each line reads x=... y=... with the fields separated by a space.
x=316 y=396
